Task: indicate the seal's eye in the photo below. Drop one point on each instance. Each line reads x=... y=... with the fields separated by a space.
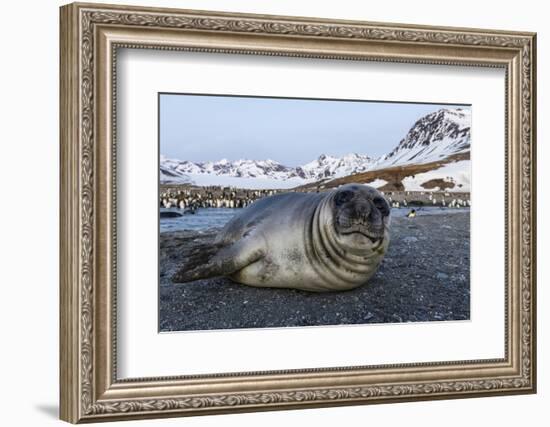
x=343 y=197
x=381 y=205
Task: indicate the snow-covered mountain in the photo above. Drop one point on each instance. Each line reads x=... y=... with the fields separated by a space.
x=334 y=167
x=433 y=138
x=239 y=168
x=214 y=173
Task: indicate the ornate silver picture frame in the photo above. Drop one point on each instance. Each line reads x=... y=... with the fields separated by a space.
x=91 y=37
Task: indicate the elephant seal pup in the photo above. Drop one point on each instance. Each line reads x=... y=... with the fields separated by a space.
x=329 y=241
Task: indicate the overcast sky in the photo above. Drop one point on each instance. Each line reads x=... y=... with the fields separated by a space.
x=290 y=131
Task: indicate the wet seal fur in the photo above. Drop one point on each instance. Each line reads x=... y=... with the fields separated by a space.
x=318 y=242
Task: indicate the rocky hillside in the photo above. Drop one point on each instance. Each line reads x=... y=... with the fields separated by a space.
x=432 y=138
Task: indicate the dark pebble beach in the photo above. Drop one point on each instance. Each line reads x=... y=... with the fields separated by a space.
x=424 y=277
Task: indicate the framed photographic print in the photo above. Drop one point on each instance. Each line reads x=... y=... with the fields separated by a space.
x=266 y=212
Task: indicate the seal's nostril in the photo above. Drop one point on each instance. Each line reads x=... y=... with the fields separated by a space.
x=375 y=215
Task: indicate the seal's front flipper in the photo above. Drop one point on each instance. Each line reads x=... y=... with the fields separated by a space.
x=218 y=260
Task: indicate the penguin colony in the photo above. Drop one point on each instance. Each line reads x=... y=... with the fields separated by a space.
x=211 y=197
x=425 y=198
x=192 y=198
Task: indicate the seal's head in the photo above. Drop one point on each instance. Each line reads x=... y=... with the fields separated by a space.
x=361 y=215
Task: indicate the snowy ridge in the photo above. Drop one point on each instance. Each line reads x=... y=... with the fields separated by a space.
x=169 y=174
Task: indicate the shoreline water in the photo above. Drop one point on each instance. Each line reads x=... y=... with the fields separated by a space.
x=205 y=218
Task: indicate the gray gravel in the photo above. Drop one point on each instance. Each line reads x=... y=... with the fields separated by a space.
x=425 y=276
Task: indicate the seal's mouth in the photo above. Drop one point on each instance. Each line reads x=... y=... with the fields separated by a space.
x=374 y=238
x=374 y=234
